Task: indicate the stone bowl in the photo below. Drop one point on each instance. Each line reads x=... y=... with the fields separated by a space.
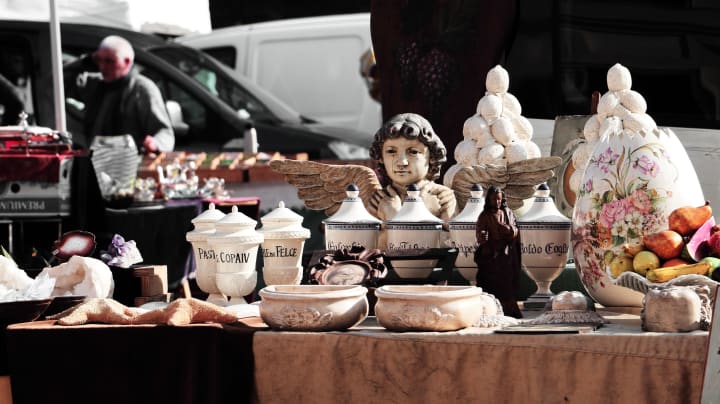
x=313 y=307
x=429 y=307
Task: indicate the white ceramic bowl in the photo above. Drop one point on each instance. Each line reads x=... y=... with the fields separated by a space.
x=429 y=307
x=313 y=307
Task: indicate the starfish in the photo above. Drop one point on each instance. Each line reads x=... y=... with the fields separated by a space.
x=95 y=310
x=178 y=312
x=186 y=311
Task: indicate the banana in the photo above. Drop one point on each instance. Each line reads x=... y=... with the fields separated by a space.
x=668 y=273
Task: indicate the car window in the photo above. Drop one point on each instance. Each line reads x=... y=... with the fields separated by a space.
x=197 y=66
x=16 y=69
x=225 y=54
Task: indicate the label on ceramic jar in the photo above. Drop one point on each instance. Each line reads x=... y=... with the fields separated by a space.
x=234 y=258
x=407 y=245
x=547 y=249
x=206 y=254
x=340 y=244
x=466 y=250
x=279 y=252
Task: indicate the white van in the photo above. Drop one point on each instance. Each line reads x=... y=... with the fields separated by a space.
x=313 y=64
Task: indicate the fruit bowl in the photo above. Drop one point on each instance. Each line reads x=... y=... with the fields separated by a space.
x=639 y=283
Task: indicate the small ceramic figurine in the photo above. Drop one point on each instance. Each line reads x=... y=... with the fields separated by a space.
x=498 y=252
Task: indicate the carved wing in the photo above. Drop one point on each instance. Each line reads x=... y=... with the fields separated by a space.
x=322 y=186
x=518 y=179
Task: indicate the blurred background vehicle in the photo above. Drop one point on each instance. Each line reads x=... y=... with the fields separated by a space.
x=214 y=103
x=311 y=63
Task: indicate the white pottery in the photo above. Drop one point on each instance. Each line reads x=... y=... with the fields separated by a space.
x=629 y=187
x=462 y=233
x=282 y=248
x=544 y=244
x=313 y=307
x=413 y=228
x=236 y=245
x=352 y=225
x=676 y=309
x=430 y=307
x=204 y=226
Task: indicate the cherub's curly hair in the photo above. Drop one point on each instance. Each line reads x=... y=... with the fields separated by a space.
x=411 y=126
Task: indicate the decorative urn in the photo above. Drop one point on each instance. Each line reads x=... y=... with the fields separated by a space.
x=635 y=174
x=544 y=245
x=236 y=244
x=282 y=248
x=413 y=228
x=462 y=234
x=352 y=225
x=205 y=257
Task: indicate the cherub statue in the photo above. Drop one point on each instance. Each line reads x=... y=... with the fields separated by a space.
x=407 y=151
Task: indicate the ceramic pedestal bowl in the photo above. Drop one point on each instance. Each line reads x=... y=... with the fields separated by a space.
x=429 y=307
x=313 y=307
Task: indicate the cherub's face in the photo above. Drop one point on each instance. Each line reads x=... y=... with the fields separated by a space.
x=407 y=161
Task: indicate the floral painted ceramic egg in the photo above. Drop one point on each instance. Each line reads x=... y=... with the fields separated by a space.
x=635 y=176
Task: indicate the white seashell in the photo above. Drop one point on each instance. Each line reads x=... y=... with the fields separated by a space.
x=450 y=174
x=497 y=80
x=639 y=122
x=591 y=129
x=466 y=153
x=607 y=104
x=533 y=150
x=503 y=131
x=633 y=101
x=491 y=153
x=576 y=180
x=515 y=151
x=619 y=78
x=475 y=128
x=511 y=105
x=581 y=155
x=490 y=107
x=609 y=126
x=523 y=128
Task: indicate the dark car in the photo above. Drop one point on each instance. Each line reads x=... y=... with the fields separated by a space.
x=214 y=105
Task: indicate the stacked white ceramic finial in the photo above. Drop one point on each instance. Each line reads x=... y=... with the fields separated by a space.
x=619 y=111
x=497 y=133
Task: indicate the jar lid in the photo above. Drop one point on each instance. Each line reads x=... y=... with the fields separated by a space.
x=413 y=209
x=211 y=215
x=473 y=207
x=282 y=223
x=543 y=209
x=235 y=221
x=352 y=209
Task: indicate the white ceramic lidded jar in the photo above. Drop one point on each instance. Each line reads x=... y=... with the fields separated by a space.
x=204 y=255
x=462 y=233
x=544 y=245
x=282 y=248
x=352 y=225
x=413 y=228
x=236 y=245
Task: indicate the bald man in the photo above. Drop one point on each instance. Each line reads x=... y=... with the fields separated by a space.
x=125 y=102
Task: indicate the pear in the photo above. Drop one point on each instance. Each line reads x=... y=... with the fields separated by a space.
x=621 y=263
x=687 y=219
x=665 y=244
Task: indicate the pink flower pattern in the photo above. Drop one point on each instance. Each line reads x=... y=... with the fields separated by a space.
x=619 y=198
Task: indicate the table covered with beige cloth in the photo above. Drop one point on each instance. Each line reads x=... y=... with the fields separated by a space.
x=618 y=363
